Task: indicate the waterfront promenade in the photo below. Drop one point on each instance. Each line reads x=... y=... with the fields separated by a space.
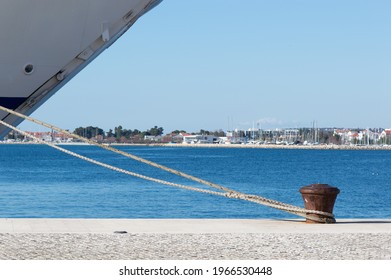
x=193 y=239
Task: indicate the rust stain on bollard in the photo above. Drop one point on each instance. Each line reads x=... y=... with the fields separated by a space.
x=320 y=197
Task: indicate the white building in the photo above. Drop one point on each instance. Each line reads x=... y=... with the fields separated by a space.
x=199 y=139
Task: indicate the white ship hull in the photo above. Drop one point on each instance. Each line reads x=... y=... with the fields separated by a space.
x=44 y=43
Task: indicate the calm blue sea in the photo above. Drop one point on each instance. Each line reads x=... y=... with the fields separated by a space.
x=38 y=181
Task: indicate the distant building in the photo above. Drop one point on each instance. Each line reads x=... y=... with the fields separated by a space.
x=189 y=138
x=199 y=139
x=153 y=138
x=57 y=137
x=207 y=139
x=43 y=136
x=385 y=136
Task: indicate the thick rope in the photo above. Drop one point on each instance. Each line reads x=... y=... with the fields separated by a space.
x=328 y=217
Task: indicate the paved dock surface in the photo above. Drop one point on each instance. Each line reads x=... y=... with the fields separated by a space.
x=198 y=239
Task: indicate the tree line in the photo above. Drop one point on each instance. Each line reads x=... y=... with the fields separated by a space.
x=118 y=132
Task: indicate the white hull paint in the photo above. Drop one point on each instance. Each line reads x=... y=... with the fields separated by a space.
x=44 y=43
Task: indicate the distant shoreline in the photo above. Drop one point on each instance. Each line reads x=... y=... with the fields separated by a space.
x=244 y=146
x=291 y=147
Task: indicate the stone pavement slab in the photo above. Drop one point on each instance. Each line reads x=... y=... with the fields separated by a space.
x=191 y=226
x=198 y=239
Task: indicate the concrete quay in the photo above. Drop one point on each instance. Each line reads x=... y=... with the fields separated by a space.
x=195 y=239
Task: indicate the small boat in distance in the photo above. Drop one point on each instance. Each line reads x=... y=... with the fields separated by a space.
x=46 y=43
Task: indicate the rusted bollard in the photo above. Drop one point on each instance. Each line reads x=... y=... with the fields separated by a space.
x=320 y=197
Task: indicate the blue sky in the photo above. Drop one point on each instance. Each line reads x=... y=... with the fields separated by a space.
x=219 y=64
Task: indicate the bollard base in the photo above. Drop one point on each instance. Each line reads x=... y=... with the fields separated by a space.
x=319 y=219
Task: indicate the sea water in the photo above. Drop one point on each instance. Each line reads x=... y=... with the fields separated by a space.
x=37 y=181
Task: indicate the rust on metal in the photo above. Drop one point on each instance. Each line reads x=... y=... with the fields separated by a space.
x=320 y=197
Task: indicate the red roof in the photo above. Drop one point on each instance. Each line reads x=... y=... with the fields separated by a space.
x=185 y=134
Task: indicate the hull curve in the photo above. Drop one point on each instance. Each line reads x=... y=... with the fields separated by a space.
x=45 y=43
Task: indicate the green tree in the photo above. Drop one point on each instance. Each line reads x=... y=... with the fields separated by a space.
x=110 y=133
x=219 y=133
x=178 y=131
x=127 y=133
x=118 y=132
x=204 y=132
x=89 y=131
x=136 y=132
x=154 y=131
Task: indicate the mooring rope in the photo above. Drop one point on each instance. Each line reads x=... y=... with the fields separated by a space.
x=230 y=193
